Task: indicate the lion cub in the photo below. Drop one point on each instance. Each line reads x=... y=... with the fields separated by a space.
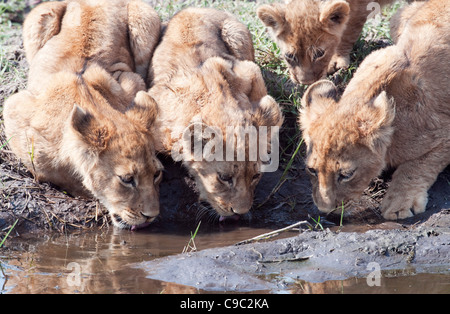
x=316 y=36
x=205 y=82
x=80 y=124
x=394 y=113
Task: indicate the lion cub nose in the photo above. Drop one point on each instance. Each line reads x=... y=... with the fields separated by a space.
x=149 y=216
x=240 y=211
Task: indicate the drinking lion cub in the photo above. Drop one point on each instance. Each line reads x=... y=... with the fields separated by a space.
x=204 y=81
x=395 y=112
x=79 y=124
x=316 y=36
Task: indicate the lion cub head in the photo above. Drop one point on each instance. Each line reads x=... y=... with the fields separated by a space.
x=308 y=33
x=114 y=155
x=346 y=143
x=230 y=142
x=227 y=187
x=228 y=181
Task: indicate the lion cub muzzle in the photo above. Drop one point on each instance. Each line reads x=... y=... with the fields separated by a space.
x=134 y=220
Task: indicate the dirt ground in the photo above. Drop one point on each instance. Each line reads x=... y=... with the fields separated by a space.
x=40 y=207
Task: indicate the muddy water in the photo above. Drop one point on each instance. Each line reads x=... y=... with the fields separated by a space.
x=101 y=261
x=400 y=282
x=104 y=262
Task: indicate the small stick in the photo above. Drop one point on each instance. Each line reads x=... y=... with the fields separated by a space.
x=272 y=233
x=293 y=259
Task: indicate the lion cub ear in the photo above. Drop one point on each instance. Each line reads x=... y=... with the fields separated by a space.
x=334 y=16
x=89 y=129
x=375 y=125
x=268 y=113
x=144 y=111
x=316 y=100
x=273 y=16
x=41 y=24
x=319 y=95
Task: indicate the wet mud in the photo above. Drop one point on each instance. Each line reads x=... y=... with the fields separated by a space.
x=312 y=256
x=41 y=207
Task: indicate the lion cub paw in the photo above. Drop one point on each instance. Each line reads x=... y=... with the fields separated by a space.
x=338 y=62
x=400 y=206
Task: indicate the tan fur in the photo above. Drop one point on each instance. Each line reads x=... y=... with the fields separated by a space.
x=203 y=71
x=395 y=112
x=401 y=17
x=316 y=36
x=80 y=124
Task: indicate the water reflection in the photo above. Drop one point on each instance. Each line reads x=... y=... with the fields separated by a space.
x=399 y=283
x=101 y=261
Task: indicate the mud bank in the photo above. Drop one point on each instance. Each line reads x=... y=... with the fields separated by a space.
x=313 y=256
x=42 y=207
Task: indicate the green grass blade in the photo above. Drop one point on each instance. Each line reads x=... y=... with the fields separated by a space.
x=4 y=144
x=9 y=231
x=283 y=176
x=196 y=230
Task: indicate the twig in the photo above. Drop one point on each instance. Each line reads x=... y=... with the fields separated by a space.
x=274 y=190
x=291 y=259
x=96 y=211
x=48 y=218
x=272 y=233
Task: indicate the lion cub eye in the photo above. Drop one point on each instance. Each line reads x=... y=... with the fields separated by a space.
x=225 y=178
x=318 y=53
x=345 y=175
x=291 y=58
x=128 y=180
